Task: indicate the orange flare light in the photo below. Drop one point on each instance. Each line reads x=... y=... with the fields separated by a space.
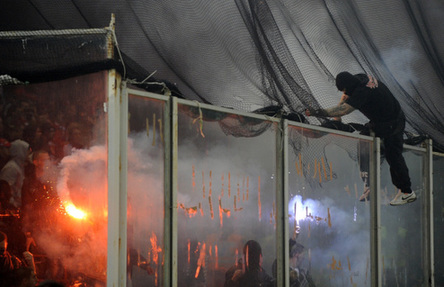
x=75 y=212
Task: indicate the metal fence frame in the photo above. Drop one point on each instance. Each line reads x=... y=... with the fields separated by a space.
x=117 y=179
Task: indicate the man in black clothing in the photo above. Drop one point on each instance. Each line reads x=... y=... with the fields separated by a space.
x=250 y=273
x=12 y=269
x=387 y=120
x=299 y=277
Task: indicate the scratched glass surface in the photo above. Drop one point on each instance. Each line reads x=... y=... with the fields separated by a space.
x=438 y=211
x=226 y=193
x=64 y=210
x=326 y=177
x=145 y=184
x=401 y=227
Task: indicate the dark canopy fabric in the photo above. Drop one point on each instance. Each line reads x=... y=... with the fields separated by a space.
x=251 y=54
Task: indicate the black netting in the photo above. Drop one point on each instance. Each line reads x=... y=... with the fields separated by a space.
x=270 y=57
x=48 y=55
x=249 y=55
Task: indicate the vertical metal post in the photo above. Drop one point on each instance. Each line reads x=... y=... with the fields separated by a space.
x=375 y=212
x=427 y=207
x=282 y=236
x=123 y=186
x=174 y=185
x=170 y=223
x=114 y=244
x=167 y=229
x=168 y=193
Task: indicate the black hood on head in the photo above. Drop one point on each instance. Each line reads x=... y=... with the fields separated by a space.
x=347 y=81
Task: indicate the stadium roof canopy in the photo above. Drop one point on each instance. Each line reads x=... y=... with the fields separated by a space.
x=249 y=55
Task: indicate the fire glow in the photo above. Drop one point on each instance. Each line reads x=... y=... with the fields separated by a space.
x=74 y=211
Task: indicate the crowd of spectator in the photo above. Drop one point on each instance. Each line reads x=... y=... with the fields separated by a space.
x=33 y=138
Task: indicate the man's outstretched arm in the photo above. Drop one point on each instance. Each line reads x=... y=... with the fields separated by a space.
x=340 y=110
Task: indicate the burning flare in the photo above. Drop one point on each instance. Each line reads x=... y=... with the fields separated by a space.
x=74 y=211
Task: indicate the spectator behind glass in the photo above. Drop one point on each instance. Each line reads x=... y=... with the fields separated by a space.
x=40 y=201
x=4 y=152
x=298 y=276
x=21 y=277
x=48 y=132
x=30 y=135
x=12 y=122
x=5 y=196
x=2 y=129
x=252 y=274
x=14 y=170
x=75 y=139
x=29 y=113
x=9 y=262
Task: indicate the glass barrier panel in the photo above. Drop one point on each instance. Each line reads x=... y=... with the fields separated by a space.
x=145 y=185
x=401 y=236
x=54 y=188
x=226 y=196
x=438 y=212
x=329 y=228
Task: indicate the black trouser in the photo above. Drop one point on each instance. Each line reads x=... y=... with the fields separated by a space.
x=391 y=134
